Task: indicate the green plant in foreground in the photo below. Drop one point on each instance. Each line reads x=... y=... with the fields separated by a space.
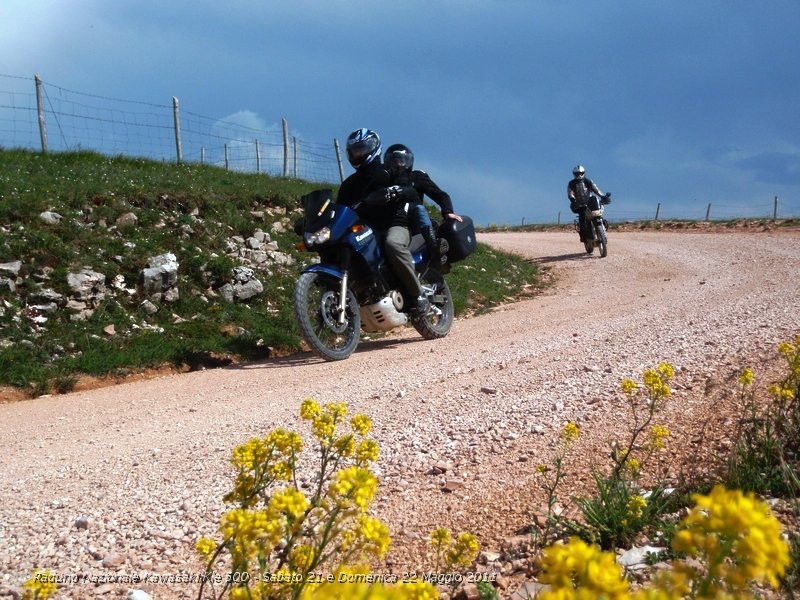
x=621 y=509
x=733 y=539
x=766 y=456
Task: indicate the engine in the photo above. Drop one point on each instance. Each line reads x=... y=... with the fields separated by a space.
x=385 y=314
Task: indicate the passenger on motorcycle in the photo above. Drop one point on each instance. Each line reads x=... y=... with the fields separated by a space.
x=578 y=191
x=399 y=162
x=384 y=207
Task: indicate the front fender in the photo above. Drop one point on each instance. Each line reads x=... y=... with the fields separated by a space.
x=327 y=269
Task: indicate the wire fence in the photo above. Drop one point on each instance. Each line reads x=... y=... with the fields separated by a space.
x=711 y=211
x=35 y=114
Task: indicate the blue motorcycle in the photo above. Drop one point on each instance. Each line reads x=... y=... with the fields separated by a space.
x=353 y=286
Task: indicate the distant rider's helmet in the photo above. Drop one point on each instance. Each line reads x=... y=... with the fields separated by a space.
x=579 y=172
x=363 y=145
x=398 y=158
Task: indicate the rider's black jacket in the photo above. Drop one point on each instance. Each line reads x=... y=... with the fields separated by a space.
x=424 y=186
x=578 y=191
x=368 y=186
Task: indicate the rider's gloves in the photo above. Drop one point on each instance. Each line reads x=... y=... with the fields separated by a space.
x=393 y=193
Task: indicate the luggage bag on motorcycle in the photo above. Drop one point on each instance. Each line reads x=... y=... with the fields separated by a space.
x=460 y=236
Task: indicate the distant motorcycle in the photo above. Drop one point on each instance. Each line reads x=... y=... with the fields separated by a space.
x=595 y=233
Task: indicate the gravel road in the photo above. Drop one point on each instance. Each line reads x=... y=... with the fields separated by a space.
x=145 y=463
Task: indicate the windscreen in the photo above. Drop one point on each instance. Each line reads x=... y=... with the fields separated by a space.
x=318 y=207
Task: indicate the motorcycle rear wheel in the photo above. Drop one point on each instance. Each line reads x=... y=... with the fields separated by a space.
x=316 y=298
x=436 y=325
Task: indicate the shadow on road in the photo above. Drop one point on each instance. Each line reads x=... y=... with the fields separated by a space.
x=309 y=358
x=560 y=258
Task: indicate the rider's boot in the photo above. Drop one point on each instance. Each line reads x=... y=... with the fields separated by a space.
x=437 y=247
x=422 y=307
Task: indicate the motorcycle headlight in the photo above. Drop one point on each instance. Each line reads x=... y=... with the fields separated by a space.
x=597 y=213
x=318 y=237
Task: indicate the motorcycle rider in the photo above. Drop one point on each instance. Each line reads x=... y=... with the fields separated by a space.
x=578 y=191
x=385 y=207
x=399 y=162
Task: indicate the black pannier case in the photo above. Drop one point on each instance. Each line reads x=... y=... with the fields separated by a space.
x=460 y=236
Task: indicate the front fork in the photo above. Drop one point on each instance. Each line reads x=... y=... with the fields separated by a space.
x=343 y=289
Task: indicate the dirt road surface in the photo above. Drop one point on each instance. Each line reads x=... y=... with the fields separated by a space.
x=146 y=462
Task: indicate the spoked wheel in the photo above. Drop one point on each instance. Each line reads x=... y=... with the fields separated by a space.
x=316 y=304
x=602 y=240
x=437 y=323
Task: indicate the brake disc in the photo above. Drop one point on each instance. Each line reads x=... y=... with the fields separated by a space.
x=329 y=306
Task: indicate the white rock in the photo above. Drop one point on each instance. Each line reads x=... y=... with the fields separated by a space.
x=637 y=555
x=139 y=595
x=50 y=217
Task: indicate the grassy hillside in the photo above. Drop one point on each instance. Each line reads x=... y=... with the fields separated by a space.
x=112 y=215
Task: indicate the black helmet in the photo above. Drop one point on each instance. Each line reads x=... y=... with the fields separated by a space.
x=398 y=158
x=363 y=145
x=579 y=171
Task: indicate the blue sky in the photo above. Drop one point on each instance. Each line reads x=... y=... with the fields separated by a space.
x=681 y=103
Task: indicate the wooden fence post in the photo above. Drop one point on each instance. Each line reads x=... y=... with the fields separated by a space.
x=294 y=155
x=708 y=211
x=558 y=220
x=258 y=157
x=338 y=159
x=40 y=110
x=202 y=155
x=285 y=148
x=658 y=210
x=775 y=210
x=177 y=120
x=226 y=157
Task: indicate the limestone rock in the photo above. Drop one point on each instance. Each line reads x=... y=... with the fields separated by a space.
x=10 y=269
x=160 y=275
x=128 y=219
x=50 y=217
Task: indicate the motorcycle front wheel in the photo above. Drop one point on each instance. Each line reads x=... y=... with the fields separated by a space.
x=437 y=323
x=316 y=300
x=589 y=247
x=602 y=239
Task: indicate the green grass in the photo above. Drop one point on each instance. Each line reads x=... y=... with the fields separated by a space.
x=91 y=191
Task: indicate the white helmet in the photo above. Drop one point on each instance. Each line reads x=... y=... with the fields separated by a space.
x=579 y=171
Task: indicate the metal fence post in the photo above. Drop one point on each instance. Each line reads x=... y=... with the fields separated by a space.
x=40 y=109
x=775 y=210
x=285 y=148
x=708 y=211
x=258 y=157
x=558 y=220
x=226 y=157
x=658 y=210
x=338 y=159
x=177 y=119
x=294 y=155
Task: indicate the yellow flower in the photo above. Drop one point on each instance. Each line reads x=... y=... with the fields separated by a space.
x=310 y=409
x=746 y=378
x=658 y=433
x=205 y=547
x=285 y=442
x=629 y=386
x=579 y=566
x=280 y=471
x=787 y=350
x=367 y=451
x=540 y=468
x=337 y=410
x=737 y=536
x=40 y=586
x=781 y=392
x=354 y=484
x=441 y=537
x=375 y=534
x=636 y=505
x=666 y=370
x=345 y=445
x=361 y=424
x=290 y=502
x=570 y=432
x=323 y=427
x=633 y=465
x=249 y=455
x=250 y=530
x=302 y=558
x=463 y=551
